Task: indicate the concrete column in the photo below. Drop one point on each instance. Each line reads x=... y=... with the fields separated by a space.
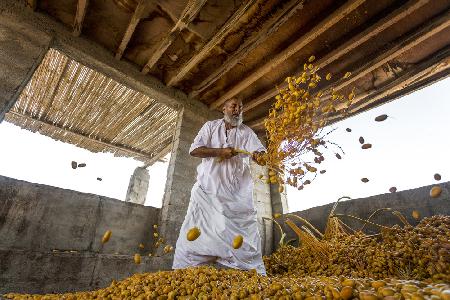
x=262 y=201
x=138 y=187
x=181 y=173
x=279 y=200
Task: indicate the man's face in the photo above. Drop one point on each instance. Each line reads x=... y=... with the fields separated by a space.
x=232 y=111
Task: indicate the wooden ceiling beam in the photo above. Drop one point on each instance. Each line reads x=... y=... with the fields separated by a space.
x=348 y=46
x=32 y=4
x=268 y=28
x=79 y=17
x=140 y=12
x=189 y=14
x=437 y=63
x=396 y=49
x=404 y=44
x=129 y=151
x=338 y=15
x=228 y=27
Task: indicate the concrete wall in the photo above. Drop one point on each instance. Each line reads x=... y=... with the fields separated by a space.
x=51 y=238
x=405 y=202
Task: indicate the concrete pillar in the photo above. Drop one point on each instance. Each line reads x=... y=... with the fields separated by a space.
x=279 y=200
x=138 y=187
x=181 y=173
x=262 y=201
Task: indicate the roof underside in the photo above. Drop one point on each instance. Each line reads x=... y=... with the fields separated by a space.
x=215 y=49
x=72 y=103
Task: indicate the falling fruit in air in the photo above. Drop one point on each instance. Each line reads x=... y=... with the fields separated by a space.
x=193 y=234
x=393 y=189
x=361 y=140
x=99 y=179
x=106 y=236
x=381 y=118
x=415 y=214
x=323 y=171
x=237 y=242
x=366 y=146
x=437 y=176
x=348 y=129
x=435 y=191
x=82 y=165
x=365 y=180
x=338 y=156
x=74 y=165
x=137 y=258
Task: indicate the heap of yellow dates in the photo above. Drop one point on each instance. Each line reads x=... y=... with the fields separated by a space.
x=401 y=264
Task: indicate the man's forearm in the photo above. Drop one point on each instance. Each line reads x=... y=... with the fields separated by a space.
x=204 y=152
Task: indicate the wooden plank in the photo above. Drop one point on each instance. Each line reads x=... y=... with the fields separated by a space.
x=268 y=28
x=402 y=45
x=189 y=14
x=32 y=4
x=278 y=59
x=129 y=151
x=437 y=63
x=228 y=27
x=79 y=17
x=434 y=64
x=348 y=46
x=257 y=124
x=138 y=14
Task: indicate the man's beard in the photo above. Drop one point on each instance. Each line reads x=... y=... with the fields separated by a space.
x=233 y=120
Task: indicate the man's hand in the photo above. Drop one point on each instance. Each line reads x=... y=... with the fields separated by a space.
x=226 y=153
x=258 y=157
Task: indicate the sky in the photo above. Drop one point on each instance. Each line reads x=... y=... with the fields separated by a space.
x=408 y=149
x=39 y=159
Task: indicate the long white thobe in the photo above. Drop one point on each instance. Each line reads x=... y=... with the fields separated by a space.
x=221 y=204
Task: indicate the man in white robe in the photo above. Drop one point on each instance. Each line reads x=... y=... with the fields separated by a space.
x=221 y=203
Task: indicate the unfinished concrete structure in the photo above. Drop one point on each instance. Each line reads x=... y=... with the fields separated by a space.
x=186 y=58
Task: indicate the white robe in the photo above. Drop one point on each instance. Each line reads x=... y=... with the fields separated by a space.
x=221 y=204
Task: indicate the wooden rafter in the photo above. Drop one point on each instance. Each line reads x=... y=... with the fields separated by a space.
x=32 y=4
x=79 y=17
x=229 y=25
x=404 y=44
x=437 y=63
x=139 y=13
x=396 y=49
x=348 y=46
x=190 y=12
x=131 y=152
x=278 y=59
x=251 y=43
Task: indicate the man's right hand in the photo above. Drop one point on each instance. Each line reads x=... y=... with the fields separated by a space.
x=226 y=153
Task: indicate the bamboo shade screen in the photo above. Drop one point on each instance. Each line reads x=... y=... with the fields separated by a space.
x=75 y=104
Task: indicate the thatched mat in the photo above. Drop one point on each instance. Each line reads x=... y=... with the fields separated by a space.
x=72 y=103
